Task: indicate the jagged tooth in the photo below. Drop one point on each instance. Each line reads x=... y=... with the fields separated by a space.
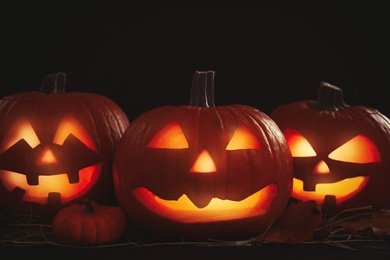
x=32 y=179
x=200 y=202
x=73 y=176
x=18 y=192
x=329 y=201
x=54 y=199
x=309 y=185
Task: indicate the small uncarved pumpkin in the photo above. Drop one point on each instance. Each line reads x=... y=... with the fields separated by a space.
x=89 y=224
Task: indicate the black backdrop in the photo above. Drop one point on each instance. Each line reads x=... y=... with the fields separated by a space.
x=144 y=55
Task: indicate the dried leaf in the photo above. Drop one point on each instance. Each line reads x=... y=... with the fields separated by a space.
x=297 y=224
x=378 y=222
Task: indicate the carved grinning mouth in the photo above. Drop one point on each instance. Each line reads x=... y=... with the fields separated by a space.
x=183 y=210
x=74 y=171
x=342 y=190
x=58 y=183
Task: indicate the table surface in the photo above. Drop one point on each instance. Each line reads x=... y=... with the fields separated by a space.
x=355 y=250
x=20 y=238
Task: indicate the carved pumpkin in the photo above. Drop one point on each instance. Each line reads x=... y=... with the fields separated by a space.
x=89 y=224
x=56 y=148
x=340 y=153
x=203 y=171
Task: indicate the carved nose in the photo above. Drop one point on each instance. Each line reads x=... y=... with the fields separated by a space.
x=321 y=168
x=46 y=156
x=204 y=163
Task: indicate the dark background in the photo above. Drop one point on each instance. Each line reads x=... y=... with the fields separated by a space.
x=143 y=56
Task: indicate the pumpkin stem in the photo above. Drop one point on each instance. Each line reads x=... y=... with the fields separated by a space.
x=329 y=98
x=202 y=89
x=54 y=83
x=88 y=209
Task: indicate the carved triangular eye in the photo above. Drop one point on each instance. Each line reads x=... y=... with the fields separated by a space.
x=243 y=138
x=170 y=136
x=21 y=129
x=359 y=149
x=299 y=145
x=70 y=125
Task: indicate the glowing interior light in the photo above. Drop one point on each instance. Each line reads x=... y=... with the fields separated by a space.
x=243 y=138
x=46 y=156
x=183 y=210
x=204 y=163
x=298 y=144
x=170 y=136
x=21 y=129
x=360 y=149
x=70 y=125
x=321 y=168
x=58 y=183
x=342 y=190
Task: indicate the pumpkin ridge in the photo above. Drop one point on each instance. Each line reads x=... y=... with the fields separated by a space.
x=335 y=151
x=270 y=135
x=41 y=119
x=228 y=173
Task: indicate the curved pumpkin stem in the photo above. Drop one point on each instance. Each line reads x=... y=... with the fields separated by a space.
x=330 y=98
x=202 y=89
x=88 y=209
x=54 y=83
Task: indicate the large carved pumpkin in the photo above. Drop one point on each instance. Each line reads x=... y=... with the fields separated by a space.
x=340 y=152
x=203 y=171
x=56 y=148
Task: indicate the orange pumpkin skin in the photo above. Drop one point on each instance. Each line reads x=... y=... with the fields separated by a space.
x=56 y=148
x=331 y=174
x=241 y=191
x=91 y=224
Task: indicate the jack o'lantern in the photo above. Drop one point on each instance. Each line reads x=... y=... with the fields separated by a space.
x=203 y=171
x=340 y=152
x=56 y=148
